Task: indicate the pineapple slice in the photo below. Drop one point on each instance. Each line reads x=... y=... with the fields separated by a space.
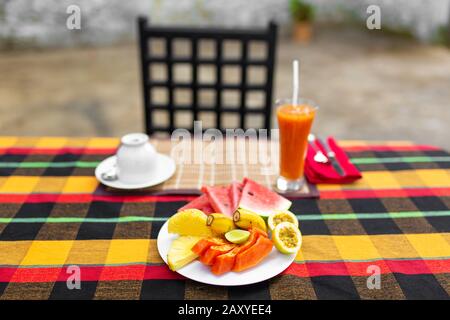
x=190 y=222
x=180 y=253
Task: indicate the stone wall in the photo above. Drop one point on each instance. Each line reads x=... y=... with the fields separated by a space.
x=421 y=18
x=43 y=22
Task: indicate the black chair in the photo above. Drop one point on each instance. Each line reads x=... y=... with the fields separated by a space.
x=196 y=60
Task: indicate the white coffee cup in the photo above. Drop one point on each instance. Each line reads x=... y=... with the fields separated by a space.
x=136 y=158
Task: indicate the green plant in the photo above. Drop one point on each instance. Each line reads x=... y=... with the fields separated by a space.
x=442 y=36
x=301 y=11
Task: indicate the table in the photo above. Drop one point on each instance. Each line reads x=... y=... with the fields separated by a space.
x=54 y=215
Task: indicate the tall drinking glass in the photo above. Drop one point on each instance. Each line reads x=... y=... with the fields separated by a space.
x=294 y=122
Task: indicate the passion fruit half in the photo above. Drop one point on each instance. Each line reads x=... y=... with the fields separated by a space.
x=281 y=216
x=287 y=238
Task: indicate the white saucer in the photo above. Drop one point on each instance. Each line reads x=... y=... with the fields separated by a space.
x=164 y=169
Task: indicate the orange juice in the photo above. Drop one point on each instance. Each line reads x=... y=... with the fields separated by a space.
x=295 y=124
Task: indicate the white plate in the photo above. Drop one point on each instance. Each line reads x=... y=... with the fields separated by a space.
x=164 y=169
x=271 y=266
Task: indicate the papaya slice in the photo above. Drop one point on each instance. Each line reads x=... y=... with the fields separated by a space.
x=225 y=262
x=210 y=255
x=260 y=232
x=204 y=244
x=254 y=234
x=253 y=255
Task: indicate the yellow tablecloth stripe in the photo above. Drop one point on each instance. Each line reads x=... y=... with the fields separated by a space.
x=59 y=142
x=372 y=247
x=60 y=252
x=430 y=178
x=436 y=178
x=111 y=142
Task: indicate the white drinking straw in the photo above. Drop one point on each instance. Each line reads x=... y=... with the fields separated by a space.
x=295 y=82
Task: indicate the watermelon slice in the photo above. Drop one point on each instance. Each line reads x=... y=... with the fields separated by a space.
x=200 y=203
x=235 y=194
x=261 y=200
x=220 y=200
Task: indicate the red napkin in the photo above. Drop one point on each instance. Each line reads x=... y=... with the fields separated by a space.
x=317 y=172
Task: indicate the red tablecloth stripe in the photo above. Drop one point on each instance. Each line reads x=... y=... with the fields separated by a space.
x=142 y=272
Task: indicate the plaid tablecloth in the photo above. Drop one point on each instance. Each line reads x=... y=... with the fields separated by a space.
x=54 y=214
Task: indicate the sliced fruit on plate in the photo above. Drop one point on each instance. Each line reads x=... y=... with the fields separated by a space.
x=253 y=255
x=287 y=238
x=180 y=253
x=237 y=236
x=281 y=216
x=220 y=223
x=245 y=219
x=210 y=255
x=260 y=232
x=235 y=194
x=219 y=197
x=191 y=222
x=225 y=262
x=261 y=200
x=254 y=234
x=200 y=203
x=204 y=244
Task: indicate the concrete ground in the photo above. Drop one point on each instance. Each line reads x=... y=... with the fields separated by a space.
x=368 y=85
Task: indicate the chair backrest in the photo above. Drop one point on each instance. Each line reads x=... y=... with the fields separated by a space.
x=152 y=81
